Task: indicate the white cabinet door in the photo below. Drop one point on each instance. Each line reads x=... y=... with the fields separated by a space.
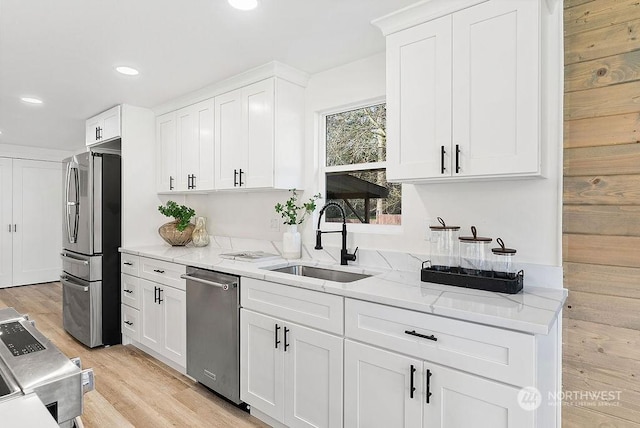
x=230 y=140
x=258 y=109
x=174 y=322
x=461 y=400
x=6 y=222
x=261 y=363
x=110 y=124
x=166 y=152
x=313 y=378
x=377 y=387
x=201 y=154
x=185 y=146
x=151 y=323
x=419 y=101
x=496 y=88
x=92 y=131
x=37 y=190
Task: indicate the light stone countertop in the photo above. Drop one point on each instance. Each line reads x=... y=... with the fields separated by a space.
x=533 y=311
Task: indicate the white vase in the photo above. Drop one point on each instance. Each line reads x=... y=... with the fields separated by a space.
x=291 y=243
x=200 y=236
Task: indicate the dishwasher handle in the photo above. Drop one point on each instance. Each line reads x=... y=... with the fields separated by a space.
x=205 y=282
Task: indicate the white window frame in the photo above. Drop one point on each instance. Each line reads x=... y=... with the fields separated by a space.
x=383 y=229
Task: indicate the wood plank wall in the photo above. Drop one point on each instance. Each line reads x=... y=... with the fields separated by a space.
x=601 y=224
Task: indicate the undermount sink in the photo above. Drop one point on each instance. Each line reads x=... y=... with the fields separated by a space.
x=320 y=273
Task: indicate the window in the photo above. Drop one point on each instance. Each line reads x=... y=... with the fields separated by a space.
x=355 y=167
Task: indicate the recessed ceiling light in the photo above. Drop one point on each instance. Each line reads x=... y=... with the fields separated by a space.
x=244 y=4
x=31 y=100
x=127 y=70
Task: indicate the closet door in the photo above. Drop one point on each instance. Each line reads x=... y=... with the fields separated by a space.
x=37 y=219
x=6 y=223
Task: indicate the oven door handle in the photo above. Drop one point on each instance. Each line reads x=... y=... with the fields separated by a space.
x=74 y=260
x=205 y=282
x=79 y=287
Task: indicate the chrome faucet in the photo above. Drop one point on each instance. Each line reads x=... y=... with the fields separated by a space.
x=345 y=256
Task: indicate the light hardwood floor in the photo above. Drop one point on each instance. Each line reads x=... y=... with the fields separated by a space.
x=132 y=388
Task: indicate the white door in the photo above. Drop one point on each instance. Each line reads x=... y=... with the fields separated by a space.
x=6 y=222
x=204 y=148
x=230 y=141
x=313 y=378
x=151 y=321
x=259 y=118
x=261 y=363
x=187 y=153
x=91 y=134
x=37 y=218
x=110 y=124
x=496 y=87
x=377 y=387
x=419 y=101
x=166 y=152
x=174 y=309
x=461 y=400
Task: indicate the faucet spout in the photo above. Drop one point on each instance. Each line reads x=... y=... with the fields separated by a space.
x=345 y=256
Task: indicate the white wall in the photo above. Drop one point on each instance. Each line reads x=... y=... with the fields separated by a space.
x=524 y=213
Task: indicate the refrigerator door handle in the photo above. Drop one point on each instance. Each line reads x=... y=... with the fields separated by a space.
x=72 y=233
x=74 y=260
x=65 y=281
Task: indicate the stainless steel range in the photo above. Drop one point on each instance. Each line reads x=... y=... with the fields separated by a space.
x=30 y=363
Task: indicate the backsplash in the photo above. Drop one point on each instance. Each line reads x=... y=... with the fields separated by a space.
x=535 y=275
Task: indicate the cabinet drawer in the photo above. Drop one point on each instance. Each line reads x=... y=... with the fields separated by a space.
x=130 y=290
x=487 y=351
x=311 y=308
x=163 y=272
x=129 y=264
x=130 y=322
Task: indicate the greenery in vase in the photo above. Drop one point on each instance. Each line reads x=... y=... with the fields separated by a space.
x=290 y=210
x=181 y=213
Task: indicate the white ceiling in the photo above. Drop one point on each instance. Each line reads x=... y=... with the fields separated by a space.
x=64 y=52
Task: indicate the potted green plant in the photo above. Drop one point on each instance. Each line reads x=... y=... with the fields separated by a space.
x=293 y=215
x=177 y=232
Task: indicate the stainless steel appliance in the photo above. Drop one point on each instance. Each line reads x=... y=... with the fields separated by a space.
x=90 y=258
x=213 y=335
x=30 y=363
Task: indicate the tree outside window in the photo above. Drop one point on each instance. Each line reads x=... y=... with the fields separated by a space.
x=355 y=169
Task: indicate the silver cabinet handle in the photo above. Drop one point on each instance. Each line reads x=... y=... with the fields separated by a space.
x=74 y=260
x=202 y=281
x=79 y=287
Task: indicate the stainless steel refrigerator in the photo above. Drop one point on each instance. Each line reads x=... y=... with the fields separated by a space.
x=90 y=258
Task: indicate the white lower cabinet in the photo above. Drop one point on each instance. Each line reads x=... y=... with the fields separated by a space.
x=289 y=372
x=154 y=306
x=385 y=389
x=163 y=320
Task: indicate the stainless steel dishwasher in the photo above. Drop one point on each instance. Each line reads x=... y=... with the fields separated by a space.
x=213 y=333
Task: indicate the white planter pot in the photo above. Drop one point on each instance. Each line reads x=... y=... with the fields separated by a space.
x=291 y=243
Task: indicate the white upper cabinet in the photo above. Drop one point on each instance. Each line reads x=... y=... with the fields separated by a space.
x=166 y=152
x=463 y=96
x=259 y=136
x=103 y=127
x=248 y=135
x=184 y=144
x=195 y=146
